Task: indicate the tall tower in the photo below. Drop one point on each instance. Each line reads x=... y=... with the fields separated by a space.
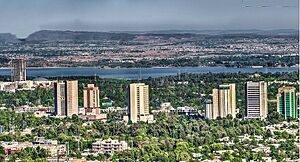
x=215 y=107
x=91 y=102
x=18 y=70
x=224 y=101
x=138 y=101
x=209 y=109
x=286 y=102
x=256 y=100
x=66 y=98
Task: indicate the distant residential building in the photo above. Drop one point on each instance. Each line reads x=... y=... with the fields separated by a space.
x=166 y=106
x=53 y=149
x=25 y=85
x=66 y=98
x=78 y=160
x=91 y=102
x=138 y=103
x=43 y=140
x=256 y=100
x=26 y=108
x=224 y=101
x=287 y=102
x=185 y=110
x=115 y=109
x=208 y=109
x=18 y=70
x=108 y=146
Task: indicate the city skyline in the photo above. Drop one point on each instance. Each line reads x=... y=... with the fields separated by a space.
x=149 y=80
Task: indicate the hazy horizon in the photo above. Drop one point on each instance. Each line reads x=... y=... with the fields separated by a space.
x=25 y=17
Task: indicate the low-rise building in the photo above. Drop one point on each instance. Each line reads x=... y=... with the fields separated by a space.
x=166 y=106
x=262 y=149
x=109 y=146
x=25 y=85
x=244 y=137
x=114 y=109
x=52 y=149
x=94 y=117
x=42 y=140
x=269 y=159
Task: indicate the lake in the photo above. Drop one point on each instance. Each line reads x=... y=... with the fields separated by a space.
x=135 y=73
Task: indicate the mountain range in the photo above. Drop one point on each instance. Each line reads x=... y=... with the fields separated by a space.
x=56 y=35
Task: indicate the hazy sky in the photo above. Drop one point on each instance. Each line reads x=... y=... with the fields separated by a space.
x=22 y=17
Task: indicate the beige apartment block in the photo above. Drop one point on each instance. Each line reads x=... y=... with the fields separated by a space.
x=91 y=103
x=138 y=102
x=224 y=101
x=66 y=98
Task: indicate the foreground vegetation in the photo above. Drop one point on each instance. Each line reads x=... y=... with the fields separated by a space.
x=171 y=138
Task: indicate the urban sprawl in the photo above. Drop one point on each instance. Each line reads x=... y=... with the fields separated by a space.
x=97 y=130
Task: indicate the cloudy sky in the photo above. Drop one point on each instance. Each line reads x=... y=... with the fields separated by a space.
x=22 y=17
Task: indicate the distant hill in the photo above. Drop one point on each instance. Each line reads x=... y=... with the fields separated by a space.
x=52 y=35
x=8 y=37
x=217 y=32
x=49 y=35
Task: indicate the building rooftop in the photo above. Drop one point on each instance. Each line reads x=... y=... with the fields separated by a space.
x=40 y=79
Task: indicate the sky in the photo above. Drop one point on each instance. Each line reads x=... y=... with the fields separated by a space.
x=23 y=17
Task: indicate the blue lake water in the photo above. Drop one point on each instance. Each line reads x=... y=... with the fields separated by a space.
x=135 y=73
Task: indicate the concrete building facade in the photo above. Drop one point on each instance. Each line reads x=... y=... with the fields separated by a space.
x=256 y=100
x=209 y=109
x=224 y=101
x=91 y=103
x=18 y=70
x=66 y=98
x=138 y=102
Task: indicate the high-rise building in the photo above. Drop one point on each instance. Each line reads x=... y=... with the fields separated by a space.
x=298 y=103
x=287 y=102
x=66 y=98
x=224 y=101
x=208 y=109
x=256 y=100
x=138 y=102
x=18 y=70
x=91 y=102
